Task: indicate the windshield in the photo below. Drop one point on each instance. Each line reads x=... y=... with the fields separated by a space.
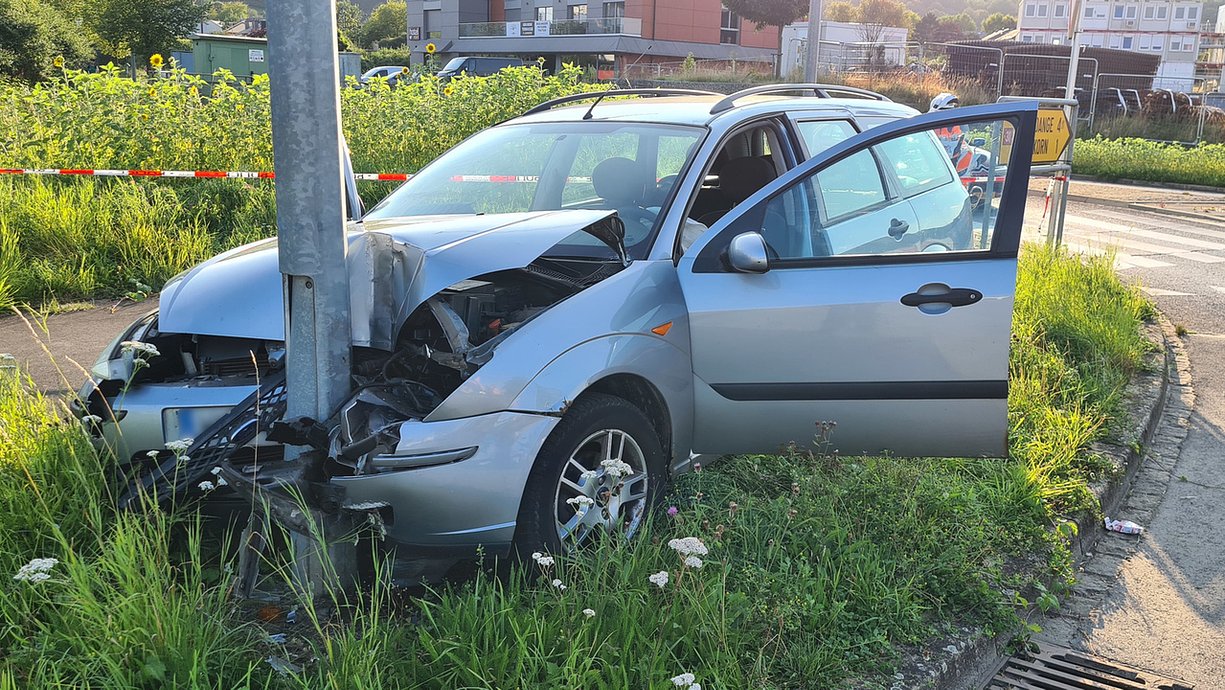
x=629 y=168
x=454 y=65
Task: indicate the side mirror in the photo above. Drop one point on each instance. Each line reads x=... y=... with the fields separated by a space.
x=747 y=253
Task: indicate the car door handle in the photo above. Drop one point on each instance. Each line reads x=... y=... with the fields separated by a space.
x=897 y=228
x=958 y=297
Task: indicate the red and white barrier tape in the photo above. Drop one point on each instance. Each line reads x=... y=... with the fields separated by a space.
x=263 y=175
x=227 y=174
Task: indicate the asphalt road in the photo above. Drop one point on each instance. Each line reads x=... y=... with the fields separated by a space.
x=1165 y=609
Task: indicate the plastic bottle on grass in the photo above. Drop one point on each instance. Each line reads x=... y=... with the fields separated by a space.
x=1123 y=526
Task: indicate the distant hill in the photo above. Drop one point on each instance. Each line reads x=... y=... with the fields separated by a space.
x=979 y=9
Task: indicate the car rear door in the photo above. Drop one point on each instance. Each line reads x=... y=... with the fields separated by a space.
x=882 y=301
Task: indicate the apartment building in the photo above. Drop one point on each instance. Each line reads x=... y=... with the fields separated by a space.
x=1169 y=29
x=609 y=34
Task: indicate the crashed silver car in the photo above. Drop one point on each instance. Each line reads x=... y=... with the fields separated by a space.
x=563 y=311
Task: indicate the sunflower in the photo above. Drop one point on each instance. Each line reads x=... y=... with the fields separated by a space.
x=448 y=91
x=404 y=71
x=156 y=61
x=430 y=48
x=58 y=62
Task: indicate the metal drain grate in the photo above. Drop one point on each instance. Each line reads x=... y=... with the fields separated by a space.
x=1058 y=668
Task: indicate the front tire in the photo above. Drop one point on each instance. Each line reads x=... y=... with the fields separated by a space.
x=598 y=473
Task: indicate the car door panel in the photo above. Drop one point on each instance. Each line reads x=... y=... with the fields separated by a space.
x=904 y=348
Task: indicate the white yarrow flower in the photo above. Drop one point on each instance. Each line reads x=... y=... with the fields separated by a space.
x=222 y=482
x=180 y=445
x=216 y=471
x=559 y=585
x=617 y=468
x=693 y=562
x=684 y=680
x=542 y=560
x=138 y=348
x=590 y=613
x=91 y=419
x=589 y=475
x=37 y=570
x=689 y=546
x=659 y=579
x=207 y=486
x=153 y=454
x=536 y=556
x=581 y=501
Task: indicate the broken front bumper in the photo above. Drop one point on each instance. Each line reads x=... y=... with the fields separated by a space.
x=460 y=481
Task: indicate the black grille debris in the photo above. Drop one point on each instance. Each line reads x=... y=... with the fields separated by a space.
x=1047 y=667
x=220 y=443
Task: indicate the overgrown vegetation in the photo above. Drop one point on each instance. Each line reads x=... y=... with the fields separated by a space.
x=819 y=568
x=1140 y=159
x=80 y=238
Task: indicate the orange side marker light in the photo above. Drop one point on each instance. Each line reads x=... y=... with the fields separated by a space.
x=662 y=329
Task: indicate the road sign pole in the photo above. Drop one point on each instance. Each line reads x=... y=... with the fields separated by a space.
x=310 y=202
x=1073 y=114
x=812 y=58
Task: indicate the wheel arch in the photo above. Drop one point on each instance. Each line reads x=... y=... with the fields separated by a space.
x=640 y=393
x=645 y=370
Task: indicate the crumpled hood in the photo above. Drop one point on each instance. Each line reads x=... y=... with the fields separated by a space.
x=395 y=264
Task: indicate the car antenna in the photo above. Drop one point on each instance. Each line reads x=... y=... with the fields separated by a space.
x=587 y=115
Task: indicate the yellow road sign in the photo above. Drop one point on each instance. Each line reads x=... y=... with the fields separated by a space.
x=1051 y=136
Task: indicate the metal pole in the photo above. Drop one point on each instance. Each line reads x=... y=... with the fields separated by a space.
x=310 y=202
x=1072 y=114
x=812 y=59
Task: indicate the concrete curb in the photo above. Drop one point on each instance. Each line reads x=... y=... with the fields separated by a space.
x=1173 y=186
x=968 y=664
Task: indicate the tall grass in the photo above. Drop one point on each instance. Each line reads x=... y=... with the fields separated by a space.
x=820 y=570
x=82 y=238
x=133 y=600
x=1138 y=159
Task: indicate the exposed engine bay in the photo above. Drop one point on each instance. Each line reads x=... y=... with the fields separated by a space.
x=440 y=344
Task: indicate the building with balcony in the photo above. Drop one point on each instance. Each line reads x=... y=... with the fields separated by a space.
x=611 y=36
x=1169 y=29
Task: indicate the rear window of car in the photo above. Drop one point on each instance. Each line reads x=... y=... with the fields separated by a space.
x=918 y=161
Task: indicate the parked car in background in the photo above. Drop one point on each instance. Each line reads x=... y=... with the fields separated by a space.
x=561 y=312
x=392 y=73
x=477 y=66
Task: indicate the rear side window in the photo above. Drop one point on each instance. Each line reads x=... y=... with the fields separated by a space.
x=850 y=186
x=918 y=161
x=819 y=135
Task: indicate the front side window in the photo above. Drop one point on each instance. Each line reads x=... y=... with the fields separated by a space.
x=850 y=209
x=542 y=167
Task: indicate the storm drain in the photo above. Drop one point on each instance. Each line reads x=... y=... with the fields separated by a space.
x=1058 y=668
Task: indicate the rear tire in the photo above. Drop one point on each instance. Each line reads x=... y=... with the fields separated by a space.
x=578 y=459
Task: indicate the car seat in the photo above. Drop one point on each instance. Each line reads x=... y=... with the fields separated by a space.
x=739 y=178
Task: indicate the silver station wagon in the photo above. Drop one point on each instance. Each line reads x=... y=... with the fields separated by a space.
x=565 y=310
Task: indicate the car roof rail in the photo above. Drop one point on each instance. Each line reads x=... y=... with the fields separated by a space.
x=549 y=105
x=819 y=90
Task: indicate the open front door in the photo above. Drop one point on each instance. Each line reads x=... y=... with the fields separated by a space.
x=870 y=286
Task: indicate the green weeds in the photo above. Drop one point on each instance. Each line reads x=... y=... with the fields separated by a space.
x=85 y=238
x=1139 y=159
x=818 y=568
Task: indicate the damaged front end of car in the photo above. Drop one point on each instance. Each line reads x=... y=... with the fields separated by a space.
x=431 y=304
